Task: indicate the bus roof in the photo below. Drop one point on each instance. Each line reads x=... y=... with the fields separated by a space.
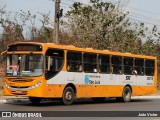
x=91 y=50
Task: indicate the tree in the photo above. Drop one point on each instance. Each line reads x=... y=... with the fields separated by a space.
x=12 y=28
x=104 y=25
x=96 y=25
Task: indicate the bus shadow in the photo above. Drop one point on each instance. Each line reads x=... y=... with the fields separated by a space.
x=51 y=102
x=110 y=101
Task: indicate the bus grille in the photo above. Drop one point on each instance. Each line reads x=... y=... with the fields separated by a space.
x=19 y=80
x=20 y=86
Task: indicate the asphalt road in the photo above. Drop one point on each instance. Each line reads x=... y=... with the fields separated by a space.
x=142 y=105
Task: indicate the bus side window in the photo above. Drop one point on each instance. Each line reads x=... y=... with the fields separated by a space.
x=74 y=61
x=116 y=65
x=104 y=65
x=90 y=62
x=149 y=65
x=139 y=66
x=128 y=65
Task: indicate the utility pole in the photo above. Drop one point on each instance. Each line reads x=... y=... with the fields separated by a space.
x=58 y=14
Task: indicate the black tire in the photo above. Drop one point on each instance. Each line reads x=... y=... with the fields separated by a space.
x=98 y=99
x=35 y=100
x=119 y=99
x=126 y=95
x=68 y=96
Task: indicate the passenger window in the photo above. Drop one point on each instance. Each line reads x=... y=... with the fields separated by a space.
x=116 y=66
x=128 y=66
x=149 y=65
x=90 y=62
x=104 y=65
x=74 y=61
x=139 y=66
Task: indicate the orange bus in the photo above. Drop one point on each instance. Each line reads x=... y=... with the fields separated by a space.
x=46 y=70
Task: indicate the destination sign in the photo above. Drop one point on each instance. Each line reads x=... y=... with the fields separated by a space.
x=25 y=47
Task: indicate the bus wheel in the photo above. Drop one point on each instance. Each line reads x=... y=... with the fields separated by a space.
x=126 y=95
x=35 y=100
x=98 y=99
x=68 y=96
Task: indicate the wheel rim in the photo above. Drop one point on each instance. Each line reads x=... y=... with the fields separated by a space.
x=127 y=95
x=68 y=96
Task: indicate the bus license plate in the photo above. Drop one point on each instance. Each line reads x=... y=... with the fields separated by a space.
x=18 y=91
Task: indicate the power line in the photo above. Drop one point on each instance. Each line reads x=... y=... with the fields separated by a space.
x=146 y=11
x=149 y=18
x=86 y=4
x=143 y=21
x=37 y=2
x=71 y=1
x=65 y=4
x=150 y=12
x=144 y=17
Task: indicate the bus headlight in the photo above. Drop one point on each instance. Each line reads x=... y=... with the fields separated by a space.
x=7 y=86
x=35 y=85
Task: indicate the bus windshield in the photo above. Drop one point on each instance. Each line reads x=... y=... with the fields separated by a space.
x=24 y=65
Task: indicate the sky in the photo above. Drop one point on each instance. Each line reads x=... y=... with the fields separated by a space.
x=147 y=11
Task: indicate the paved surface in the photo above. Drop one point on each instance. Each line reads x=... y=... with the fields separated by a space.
x=8 y=99
x=140 y=103
x=11 y=99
